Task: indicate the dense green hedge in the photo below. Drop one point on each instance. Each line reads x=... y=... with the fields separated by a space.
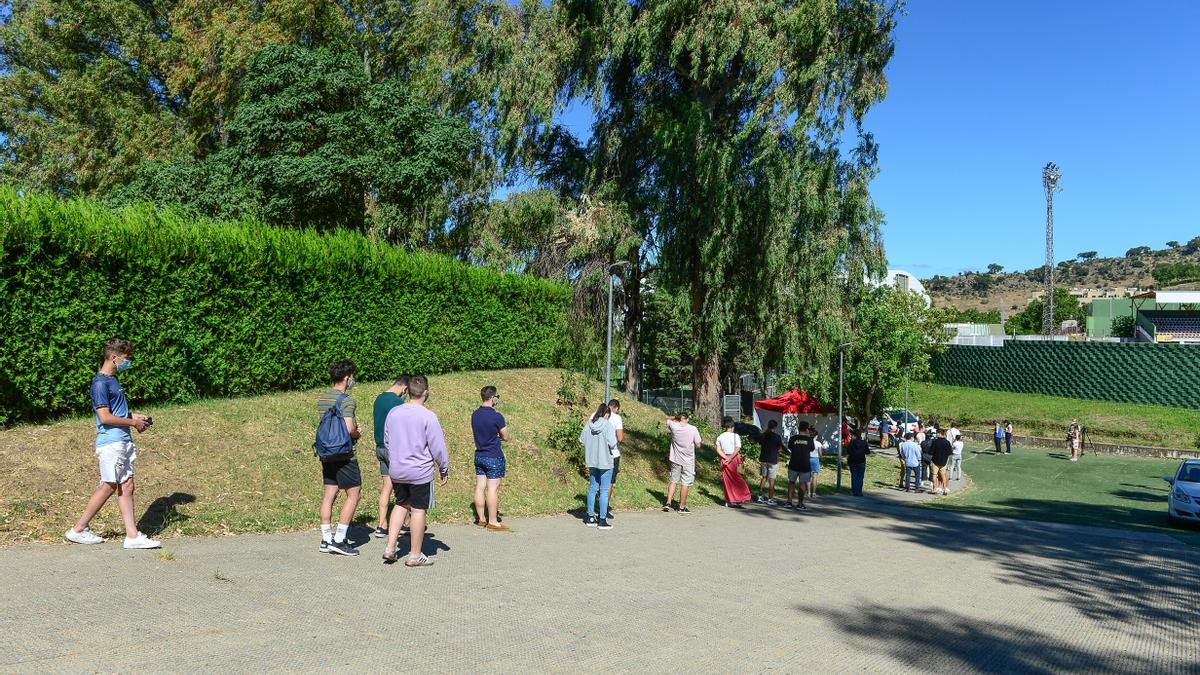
x=226 y=309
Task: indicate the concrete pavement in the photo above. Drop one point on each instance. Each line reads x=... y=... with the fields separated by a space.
x=850 y=585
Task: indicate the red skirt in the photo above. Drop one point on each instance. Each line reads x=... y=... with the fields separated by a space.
x=736 y=490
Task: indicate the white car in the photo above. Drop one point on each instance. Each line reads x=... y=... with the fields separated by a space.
x=1183 y=505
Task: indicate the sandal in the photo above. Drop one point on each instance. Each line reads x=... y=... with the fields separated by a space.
x=423 y=561
x=390 y=558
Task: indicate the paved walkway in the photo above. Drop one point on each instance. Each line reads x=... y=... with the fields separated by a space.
x=851 y=585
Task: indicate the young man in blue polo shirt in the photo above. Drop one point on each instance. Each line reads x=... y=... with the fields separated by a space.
x=489 y=429
x=114 y=449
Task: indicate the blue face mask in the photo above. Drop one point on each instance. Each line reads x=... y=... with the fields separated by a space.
x=124 y=365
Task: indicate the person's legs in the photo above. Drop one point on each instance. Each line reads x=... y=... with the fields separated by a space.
x=791 y=490
x=605 y=483
x=997 y=440
x=670 y=493
x=416 y=526
x=616 y=470
x=481 y=482
x=683 y=490
x=327 y=499
x=385 y=495
x=857 y=472
x=593 y=488
x=351 y=502
x=125 y=504
x=1008 y=444
x=493 y=500
x=399 y=513
x=95 y=503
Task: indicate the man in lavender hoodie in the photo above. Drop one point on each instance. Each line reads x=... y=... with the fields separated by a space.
x=415 y=444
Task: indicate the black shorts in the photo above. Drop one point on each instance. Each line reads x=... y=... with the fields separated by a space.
x=616 y=468
x=343 y=473
x=414 y=496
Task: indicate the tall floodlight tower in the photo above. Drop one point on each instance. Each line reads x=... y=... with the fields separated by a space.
x=1050 y=176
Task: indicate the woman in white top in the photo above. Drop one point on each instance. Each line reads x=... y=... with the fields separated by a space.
x=956 y=458
x=729 y=453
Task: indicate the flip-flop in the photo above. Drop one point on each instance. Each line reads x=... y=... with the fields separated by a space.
x=420 y=562
x=390 y=558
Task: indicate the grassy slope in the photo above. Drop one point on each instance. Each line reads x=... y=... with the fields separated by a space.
x=1048 y=416
x=246 y=465
x=1103 y=490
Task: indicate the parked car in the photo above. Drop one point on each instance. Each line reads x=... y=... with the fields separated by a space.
x=902 y=421
x=1183 y=504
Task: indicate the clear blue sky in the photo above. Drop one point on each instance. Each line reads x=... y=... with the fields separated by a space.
x=983 y=94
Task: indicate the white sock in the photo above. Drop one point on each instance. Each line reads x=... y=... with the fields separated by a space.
x=326 y=533
x=341 y=533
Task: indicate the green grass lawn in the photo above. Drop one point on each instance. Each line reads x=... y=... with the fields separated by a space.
x=246 y=465
x=1048 y=416
x=1103 y=490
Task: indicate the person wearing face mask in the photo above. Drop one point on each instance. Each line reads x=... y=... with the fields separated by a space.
x=114 y=449
x=340 y=473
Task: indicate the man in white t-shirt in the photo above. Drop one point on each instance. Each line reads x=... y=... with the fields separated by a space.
x=618 y=426
x=685 y=441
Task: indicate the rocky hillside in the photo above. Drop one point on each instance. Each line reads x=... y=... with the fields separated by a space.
x=1140 y=267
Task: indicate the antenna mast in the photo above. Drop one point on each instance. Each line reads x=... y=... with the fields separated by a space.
x=1050 y=176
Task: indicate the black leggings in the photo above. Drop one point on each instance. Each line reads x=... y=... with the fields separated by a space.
x=997 y=439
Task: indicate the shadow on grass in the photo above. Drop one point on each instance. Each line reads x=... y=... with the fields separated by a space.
x=945 y=641
x=1102 y=577
x=1142 y=496
x=163 y=513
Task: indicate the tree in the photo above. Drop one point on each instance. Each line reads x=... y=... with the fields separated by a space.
x=1086 y=255
x=1193 y=245
x=1123 y=326
x=982 y=283
x=995 y=268
x=1172 y=244
x=893 y=335
x=1029 y=320
x=1136 y=251
x=734 y=113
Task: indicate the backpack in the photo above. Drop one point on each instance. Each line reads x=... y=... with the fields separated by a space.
x=333 y=440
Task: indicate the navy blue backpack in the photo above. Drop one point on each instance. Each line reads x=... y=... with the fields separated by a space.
x=333 y=441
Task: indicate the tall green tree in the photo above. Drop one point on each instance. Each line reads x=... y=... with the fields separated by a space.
x=738 y=111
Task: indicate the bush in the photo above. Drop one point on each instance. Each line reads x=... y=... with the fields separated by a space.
x=235 y=308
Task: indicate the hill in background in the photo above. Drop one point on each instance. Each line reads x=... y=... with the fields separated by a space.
x=1141 y=267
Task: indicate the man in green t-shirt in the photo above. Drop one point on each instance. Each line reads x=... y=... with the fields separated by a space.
x=390 y=398
x=343 y=473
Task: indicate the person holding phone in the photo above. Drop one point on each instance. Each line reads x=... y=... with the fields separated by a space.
x=416 y=446
x=490 y=429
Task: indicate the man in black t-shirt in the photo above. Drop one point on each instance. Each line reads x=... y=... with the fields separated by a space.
x=940 y=450
x=800 y=447
x=771 y=443
x=856 y=458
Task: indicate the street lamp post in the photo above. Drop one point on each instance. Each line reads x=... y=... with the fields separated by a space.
x=841 y=415
x=608 y=350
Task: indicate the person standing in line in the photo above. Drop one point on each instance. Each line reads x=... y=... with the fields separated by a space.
x=390 y=398
x=814 y=461
x=910 y=454
x=920 y=433
x=618 y=425
x=1008 y=434
x=340 y=473
x=598 y=438
x=490 y=430
x=1075 y=439
x=416 y=446
x=957 y=458
x=685 y=441
x=768 y=462
x=940 y=451
x=926 y=460
x=729 y=454
x=800 y=448
x=997 y=434
x=885 y=431
x=856 y=458
x=115 y=451
x=953 y=432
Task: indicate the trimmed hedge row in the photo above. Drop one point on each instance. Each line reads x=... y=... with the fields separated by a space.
x=235 y=308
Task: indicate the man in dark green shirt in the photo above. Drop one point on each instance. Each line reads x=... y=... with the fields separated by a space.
x=390 y=398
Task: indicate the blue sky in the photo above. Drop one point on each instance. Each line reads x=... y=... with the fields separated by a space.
x=983 y=94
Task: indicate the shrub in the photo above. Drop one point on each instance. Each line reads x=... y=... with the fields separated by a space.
x=234 y=308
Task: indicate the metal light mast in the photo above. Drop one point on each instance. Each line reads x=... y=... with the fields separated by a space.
x=1050 y=176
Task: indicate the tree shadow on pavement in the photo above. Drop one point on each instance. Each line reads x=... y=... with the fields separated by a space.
x=1104 y=577
x=938 y=640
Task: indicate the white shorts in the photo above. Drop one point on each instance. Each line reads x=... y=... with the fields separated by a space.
x=116 y=461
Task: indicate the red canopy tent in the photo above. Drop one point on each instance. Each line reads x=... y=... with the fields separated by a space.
x=794 y=402
x=789 y=408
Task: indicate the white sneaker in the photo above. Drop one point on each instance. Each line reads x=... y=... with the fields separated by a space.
x=85 y=537
x=141 y=541
x=771 y=502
